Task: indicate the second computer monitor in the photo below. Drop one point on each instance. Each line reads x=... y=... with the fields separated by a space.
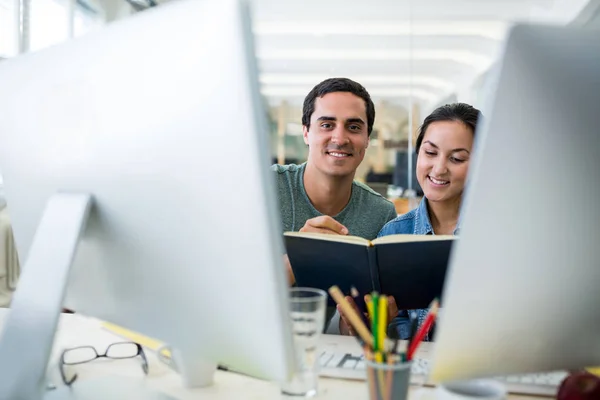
x=522 y=291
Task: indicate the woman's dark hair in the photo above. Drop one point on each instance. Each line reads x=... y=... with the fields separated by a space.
x=460 y=112
x=332 y=85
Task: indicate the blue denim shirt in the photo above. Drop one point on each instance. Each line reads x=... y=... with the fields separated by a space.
x=415 y=222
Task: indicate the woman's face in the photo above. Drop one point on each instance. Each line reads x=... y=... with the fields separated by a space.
x=443 y=160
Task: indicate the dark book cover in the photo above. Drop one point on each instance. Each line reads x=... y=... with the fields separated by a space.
x=322 y=263
x=412 y=268
x=413 y=272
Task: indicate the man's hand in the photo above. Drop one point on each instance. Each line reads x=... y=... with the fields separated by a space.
x=324 y=224
x=348 y=330
x=345 y=327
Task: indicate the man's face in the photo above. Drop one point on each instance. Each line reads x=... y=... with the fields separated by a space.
x=338 y=134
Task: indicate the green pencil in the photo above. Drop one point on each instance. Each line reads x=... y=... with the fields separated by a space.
x=374 y=322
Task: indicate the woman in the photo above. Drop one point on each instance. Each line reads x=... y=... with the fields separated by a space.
x=443 y=149
x=444 y=146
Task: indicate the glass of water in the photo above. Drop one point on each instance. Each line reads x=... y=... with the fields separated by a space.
x=307 y=308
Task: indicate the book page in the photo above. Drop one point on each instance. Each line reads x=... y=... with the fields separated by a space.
x=411 y=238
x=331 y=238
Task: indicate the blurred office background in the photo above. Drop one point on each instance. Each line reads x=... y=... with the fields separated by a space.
x=410 y=55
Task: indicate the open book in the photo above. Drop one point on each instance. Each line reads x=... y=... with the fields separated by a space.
x=412 y=268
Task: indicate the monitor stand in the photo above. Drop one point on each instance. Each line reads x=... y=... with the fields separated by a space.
x=29 y=329
x=195 y=372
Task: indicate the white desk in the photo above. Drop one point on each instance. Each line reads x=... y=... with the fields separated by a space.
x=76 y=330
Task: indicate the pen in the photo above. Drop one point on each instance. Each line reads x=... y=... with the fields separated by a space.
x=433 y=309
x=413 y=327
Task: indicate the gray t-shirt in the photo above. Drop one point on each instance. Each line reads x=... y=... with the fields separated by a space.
x=364 y=215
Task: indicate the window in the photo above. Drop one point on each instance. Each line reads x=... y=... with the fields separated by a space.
x=48 y=23
x=7 y=29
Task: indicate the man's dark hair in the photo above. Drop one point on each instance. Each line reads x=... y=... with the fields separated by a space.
x=333 y=85
x=460 y=112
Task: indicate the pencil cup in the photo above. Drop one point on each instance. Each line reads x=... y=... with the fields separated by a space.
x=307 y=307
x=388 y=380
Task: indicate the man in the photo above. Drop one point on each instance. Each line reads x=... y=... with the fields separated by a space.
x=321 y=194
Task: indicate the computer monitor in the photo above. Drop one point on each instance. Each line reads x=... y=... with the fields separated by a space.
x=401 y=173
x=144 y=146
x=522 y=291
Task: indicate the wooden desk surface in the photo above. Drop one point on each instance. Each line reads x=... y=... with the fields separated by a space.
x=75 y=330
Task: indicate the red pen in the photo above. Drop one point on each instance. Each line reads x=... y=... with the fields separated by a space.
x=433 y=309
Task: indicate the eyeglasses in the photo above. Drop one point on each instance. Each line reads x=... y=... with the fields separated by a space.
x=84 y=354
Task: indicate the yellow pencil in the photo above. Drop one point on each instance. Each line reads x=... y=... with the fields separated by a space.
x=381 y=326
x=383 y=317
x=145 y=341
